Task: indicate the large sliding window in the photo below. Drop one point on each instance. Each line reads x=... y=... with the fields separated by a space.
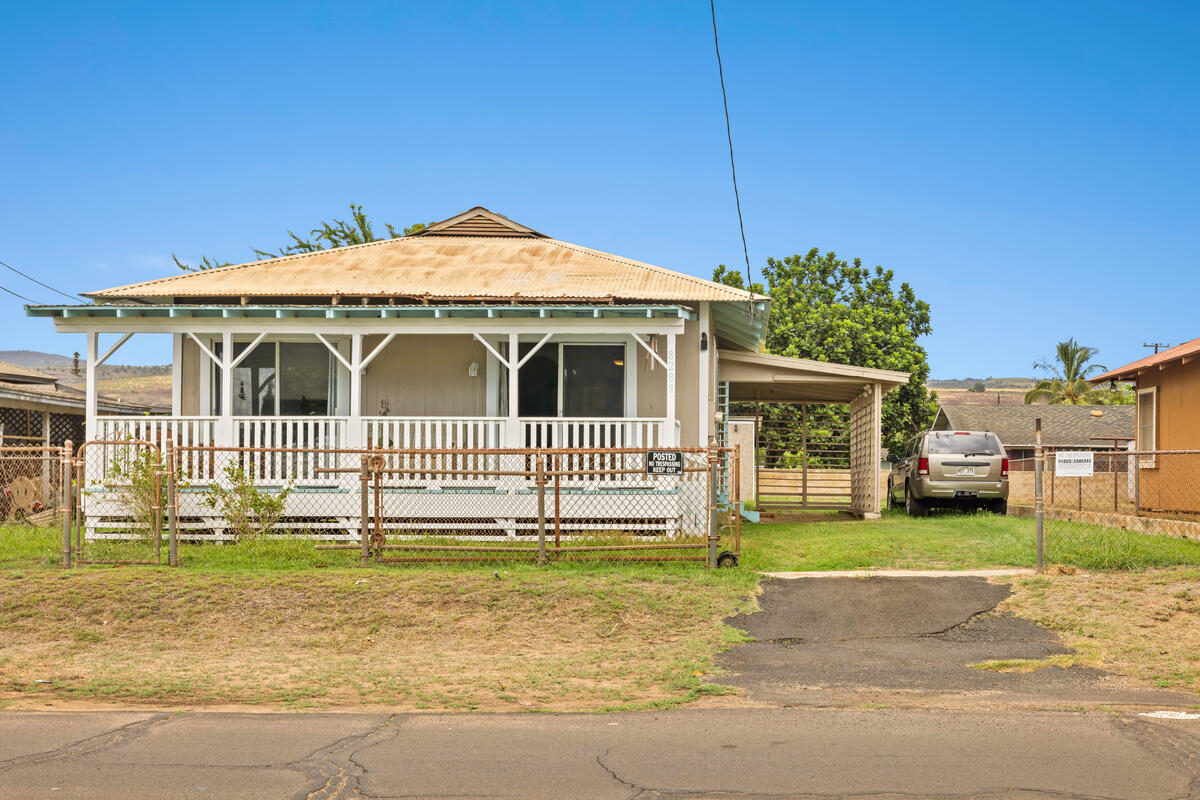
x=593 y=380
x=572 y=380
x=291 y=379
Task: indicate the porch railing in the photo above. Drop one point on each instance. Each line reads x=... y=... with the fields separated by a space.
x=433 y=432
x=395 y=432
x=327 y=433
x=594 y=432
x=186 y=431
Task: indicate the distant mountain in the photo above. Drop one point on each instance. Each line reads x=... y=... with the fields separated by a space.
x=990 y=383
x=33 y=359
x=61 y=366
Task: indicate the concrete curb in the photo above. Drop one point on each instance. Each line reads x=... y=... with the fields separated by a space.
x=905 y=573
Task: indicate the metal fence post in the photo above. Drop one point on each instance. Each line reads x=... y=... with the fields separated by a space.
x=737 y=501
x=557 y=467
x=172 y=505
x=1038 y=465
x=158 y=508
x=714 y=522
x=64 y=469
x=541 y=491
x=365 y=519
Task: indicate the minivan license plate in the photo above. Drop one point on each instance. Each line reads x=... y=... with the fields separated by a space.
x=966 y=470
x=966 y=494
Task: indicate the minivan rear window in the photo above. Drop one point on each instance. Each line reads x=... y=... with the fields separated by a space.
x=982 y=443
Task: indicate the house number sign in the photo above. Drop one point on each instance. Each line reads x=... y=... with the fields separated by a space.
x=664 y=462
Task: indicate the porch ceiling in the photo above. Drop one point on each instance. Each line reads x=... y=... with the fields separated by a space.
x=766 y=378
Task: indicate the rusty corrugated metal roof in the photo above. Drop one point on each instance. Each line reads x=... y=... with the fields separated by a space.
x=1130 y=371
x=11 y=373
x=443 y=266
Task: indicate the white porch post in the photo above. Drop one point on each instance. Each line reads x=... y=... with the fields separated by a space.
x=91 y=406
x=225 y=426
x=704 y=421
x=354 y=436
x=512 y=436
x=177 y=374
x=876 y=445
x=669 y=436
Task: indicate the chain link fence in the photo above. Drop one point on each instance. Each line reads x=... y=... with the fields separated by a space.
x=131 y=501
x=1100 y=507
x=116 y=503
x=31 y=484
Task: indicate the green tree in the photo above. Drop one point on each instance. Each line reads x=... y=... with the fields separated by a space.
x=827 y=309
x=326 y=236
x=979 y=387
x=1066 y=383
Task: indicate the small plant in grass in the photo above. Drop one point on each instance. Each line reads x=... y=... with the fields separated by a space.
x=248 y=509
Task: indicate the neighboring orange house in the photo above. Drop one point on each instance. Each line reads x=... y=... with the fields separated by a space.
x=1168 y=418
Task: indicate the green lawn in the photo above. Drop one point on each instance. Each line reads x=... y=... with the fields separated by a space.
x=951 y=541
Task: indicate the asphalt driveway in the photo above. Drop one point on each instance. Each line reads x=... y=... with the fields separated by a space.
x=908 y=641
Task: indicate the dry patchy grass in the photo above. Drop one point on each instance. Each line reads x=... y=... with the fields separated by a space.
x=1142 y=624
x=344 y=638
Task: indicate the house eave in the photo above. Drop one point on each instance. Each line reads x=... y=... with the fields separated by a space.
x=382 y=312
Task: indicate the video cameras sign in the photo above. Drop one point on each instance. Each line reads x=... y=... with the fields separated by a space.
x=664 y=462
x=1073 y=463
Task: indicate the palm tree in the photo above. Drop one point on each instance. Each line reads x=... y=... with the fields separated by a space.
x=1067 y=384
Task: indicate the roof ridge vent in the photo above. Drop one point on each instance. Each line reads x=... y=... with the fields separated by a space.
x=478 y=221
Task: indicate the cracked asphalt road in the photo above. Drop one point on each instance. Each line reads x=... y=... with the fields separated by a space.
x=820 y=650
x=702 y=753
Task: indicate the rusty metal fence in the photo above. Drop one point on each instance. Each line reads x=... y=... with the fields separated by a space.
x=134 y=501
x=31 y=484
x=1105 y=502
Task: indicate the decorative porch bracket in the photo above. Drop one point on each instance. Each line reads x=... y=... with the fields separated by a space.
x=91 y=402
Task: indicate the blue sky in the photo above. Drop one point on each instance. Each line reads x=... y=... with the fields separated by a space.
x=1032 y=169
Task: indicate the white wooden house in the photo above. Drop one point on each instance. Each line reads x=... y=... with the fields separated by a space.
x=476 y=332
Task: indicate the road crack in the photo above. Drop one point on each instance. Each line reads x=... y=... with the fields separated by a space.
x=336 y=770
x=92 y=744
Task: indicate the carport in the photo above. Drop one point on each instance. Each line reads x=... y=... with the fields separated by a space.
x=793 y=468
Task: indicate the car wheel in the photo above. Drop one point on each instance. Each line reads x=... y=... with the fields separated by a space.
x=913 y=506
x=1000 y=507
x=891 y=496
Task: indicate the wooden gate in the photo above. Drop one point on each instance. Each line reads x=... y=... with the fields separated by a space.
x=802 y=457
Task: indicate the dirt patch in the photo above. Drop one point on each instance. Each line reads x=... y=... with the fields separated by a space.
x=1145 y=625
x=412 y=640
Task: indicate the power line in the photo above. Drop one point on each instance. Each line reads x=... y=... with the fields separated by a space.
x=39 y=283
x=729 y=135
x=23 y=297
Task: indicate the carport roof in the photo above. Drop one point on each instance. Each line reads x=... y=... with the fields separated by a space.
x=779 y=379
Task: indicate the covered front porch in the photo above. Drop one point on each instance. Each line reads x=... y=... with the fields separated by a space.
x=415 y=377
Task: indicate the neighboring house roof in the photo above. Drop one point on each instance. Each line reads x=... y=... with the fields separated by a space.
x=476 y=256
x=1062 y=426
x=11 y=373
x=26 y=385
x=1129 y=372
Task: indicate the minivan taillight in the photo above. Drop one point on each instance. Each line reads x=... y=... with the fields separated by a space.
x=923 y=466
x=1004 y=468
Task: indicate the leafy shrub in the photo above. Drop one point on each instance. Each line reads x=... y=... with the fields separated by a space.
x=247 y=509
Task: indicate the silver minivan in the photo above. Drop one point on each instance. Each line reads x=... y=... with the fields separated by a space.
x=955 y=469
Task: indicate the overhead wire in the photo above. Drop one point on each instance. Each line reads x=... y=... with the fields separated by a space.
x=39 y=283
x=729 y=135
x=23 y=297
